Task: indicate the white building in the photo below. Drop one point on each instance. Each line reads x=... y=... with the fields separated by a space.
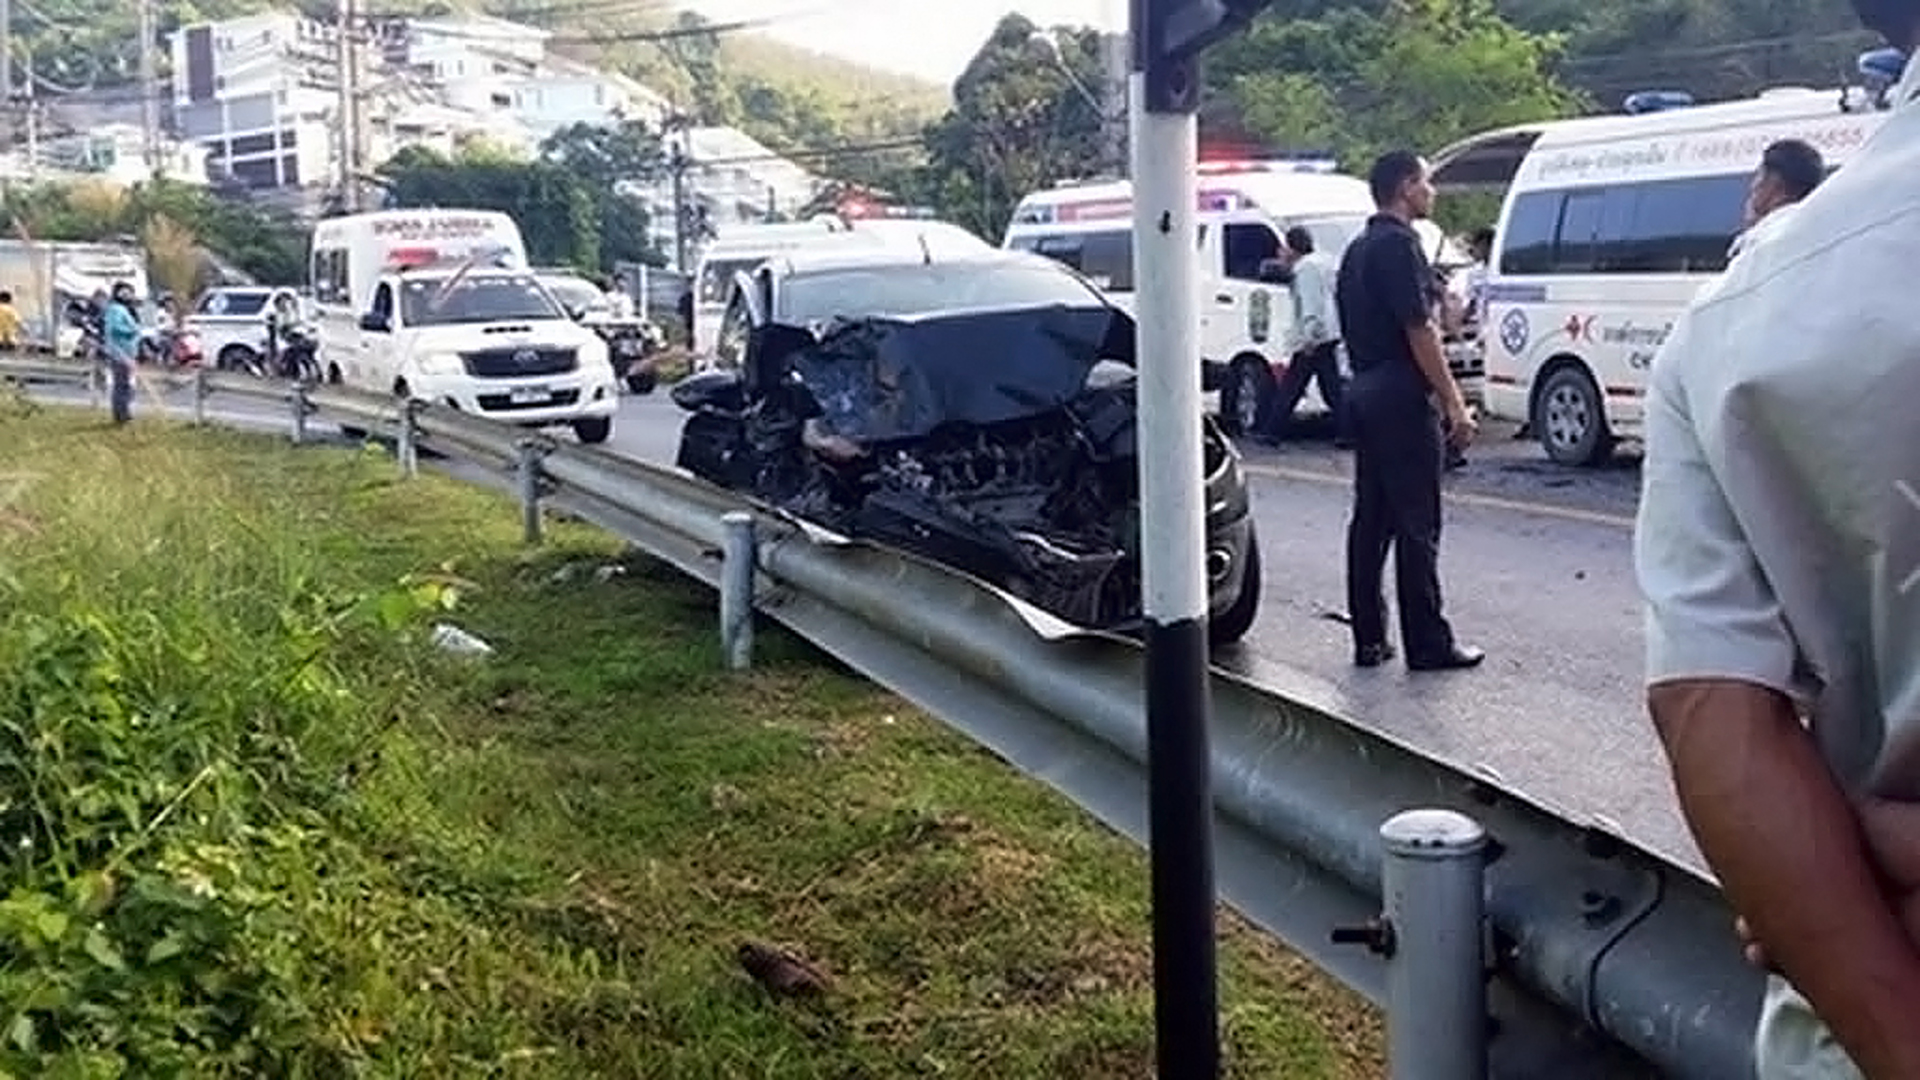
x=731 y=178
x=259 y=94
x=118 y=152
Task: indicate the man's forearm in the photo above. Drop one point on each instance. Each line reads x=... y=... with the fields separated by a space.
x=1425 y=341
x=1789 y=853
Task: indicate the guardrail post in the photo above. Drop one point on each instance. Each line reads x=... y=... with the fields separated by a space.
x=1433 y=893
x=527 y=471
x=297 y=396
x=736 y=590
x=201 y=389
x=407 y=447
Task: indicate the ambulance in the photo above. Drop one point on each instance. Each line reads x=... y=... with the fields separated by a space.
x=1244 y=210
x=439 y=305
x=1609 y=226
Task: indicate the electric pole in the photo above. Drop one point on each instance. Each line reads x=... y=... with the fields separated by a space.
x=349 y=111
x=149 y=89
x=1113 y=100
x=7 y=100
x=678 y=160
x=1168 y=37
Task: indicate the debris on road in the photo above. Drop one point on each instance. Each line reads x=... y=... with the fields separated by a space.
x=781 y=971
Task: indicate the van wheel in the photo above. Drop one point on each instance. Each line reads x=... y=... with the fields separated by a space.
x=1570 y=419
x=593 y=430
x=1249 y=381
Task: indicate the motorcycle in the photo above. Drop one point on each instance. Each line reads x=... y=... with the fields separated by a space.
x=178 y=348
x=632 y=345
x=297 y=347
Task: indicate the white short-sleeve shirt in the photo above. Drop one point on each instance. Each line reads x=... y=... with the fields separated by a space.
x=1778 y=539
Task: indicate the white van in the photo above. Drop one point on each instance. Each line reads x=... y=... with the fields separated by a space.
x=1245 y=208
x=1609 y=227
x=439 y=305
x=741 y=248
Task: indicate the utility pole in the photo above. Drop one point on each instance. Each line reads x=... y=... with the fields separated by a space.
x=6 y=68
x=1114 y=62
x=1168 y=37
x=349 y=120
x=149 y=89
x=678 y=161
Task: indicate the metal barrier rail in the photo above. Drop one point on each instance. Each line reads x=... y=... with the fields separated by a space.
x=1589 y=956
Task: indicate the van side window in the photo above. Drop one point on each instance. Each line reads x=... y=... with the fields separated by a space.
x=1107 y=258
x=383 y=302
x=329 y=276
x=1678 y=226
x=1247 y=245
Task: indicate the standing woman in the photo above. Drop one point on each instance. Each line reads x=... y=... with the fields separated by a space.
x=120 y=337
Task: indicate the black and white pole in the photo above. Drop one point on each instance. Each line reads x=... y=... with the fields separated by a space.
x=1173 y=550
x=1168 y=37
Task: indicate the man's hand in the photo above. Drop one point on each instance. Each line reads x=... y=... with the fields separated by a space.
x=1461 y=426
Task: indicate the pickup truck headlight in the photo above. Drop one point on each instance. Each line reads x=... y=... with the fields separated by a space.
x=440 y=363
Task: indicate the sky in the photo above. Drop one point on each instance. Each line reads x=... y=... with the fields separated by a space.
x=932 y=39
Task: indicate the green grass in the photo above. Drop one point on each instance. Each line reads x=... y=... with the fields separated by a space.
x=252 y=824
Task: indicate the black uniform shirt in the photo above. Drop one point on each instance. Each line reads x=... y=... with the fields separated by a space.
x=1386 y=286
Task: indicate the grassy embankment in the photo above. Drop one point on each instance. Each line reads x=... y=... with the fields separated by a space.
x=255 y=825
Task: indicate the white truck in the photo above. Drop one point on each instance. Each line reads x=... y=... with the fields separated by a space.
x=439 y=305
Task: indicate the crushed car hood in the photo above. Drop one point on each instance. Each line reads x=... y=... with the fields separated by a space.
x=880 y=379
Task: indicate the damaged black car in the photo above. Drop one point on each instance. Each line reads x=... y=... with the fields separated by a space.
x=992 y=429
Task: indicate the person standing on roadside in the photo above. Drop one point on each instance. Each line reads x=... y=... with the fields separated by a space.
x=1789 y=171
x=1404 y=410
x=120 y=340
x=1778 y=551
x=1314 y=349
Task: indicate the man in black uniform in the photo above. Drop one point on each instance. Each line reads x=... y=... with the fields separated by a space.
x=1405 y=411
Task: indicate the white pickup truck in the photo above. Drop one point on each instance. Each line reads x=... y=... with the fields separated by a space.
x=437 y=305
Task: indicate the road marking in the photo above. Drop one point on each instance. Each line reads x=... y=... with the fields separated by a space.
x=1464 y=498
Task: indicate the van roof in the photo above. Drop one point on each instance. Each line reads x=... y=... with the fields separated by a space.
x=1280 y=192
x=1677 y=140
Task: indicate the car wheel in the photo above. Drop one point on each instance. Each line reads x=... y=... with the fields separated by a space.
x=1231 y=625
x=237 y=358
x=593 y=430
x=1248 y=383
x=642 y=383
x=1570 y=419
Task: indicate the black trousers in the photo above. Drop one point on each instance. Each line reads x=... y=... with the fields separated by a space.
x=1319 y=364
x=1399 y=453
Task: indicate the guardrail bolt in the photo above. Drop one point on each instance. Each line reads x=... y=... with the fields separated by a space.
x=527 y=471
x=201 y=391
x=1376 y=935
x=1432 y=885
x=736 y=590
x=407 y=446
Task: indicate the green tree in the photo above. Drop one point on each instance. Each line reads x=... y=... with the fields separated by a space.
x=1019 y=121
x=555 y=209
x=605 y=160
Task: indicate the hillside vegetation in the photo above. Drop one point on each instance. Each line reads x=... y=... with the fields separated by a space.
x=786 y=96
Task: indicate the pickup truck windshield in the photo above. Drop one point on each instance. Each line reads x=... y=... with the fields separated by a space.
x=428 y=301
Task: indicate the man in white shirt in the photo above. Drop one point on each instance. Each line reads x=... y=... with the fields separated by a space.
x=1778 y=549
x=1313 y=343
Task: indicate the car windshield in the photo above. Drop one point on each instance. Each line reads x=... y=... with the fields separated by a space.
x=229 y=302
x=807 y=299
x=577 y=293
x=431 y=301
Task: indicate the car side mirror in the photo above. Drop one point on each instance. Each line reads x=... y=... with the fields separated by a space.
x=374 y=322
x=576 y=312
x=1274 y=272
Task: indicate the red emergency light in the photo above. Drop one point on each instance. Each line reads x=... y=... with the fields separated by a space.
x=410 y=257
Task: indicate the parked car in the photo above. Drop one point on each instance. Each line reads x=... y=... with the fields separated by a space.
x=231 y=322
x=976 y=410
x=633 y=343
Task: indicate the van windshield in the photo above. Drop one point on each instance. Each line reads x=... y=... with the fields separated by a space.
x=430 y=301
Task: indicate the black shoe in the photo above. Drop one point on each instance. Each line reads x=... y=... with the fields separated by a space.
x=1372 y=655
x=1457 y=658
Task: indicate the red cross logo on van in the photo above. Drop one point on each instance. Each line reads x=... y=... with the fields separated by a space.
x=1578 y=327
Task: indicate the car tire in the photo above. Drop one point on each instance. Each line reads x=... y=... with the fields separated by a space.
x=1570 y=419
x=593 y=430
x=1231 y=625
x=642 y=384
x=1247 y=384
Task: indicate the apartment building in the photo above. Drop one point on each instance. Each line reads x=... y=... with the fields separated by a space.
x=259 y=94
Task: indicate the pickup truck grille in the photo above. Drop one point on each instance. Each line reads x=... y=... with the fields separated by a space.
x=514 y=363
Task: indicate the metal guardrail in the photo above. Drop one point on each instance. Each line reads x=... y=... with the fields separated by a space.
x=1595 y=957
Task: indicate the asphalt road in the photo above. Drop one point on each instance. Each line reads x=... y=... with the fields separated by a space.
x=1537 y=570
